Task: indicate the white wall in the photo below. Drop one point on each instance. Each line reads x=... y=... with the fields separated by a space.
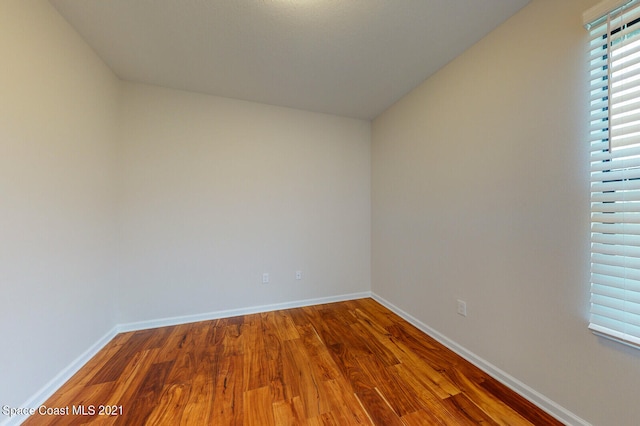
x=480 y=192
x=58 y=105
x=216 y=191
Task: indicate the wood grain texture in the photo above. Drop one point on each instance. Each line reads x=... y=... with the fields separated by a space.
x=347 y=363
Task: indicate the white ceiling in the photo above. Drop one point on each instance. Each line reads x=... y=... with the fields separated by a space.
x=347 y=57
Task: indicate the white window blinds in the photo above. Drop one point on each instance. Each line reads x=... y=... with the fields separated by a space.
x=615 y=173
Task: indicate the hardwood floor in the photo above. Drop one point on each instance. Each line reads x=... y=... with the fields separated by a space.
x=347 y=363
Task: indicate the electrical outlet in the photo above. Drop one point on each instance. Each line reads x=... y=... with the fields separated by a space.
x=265 y=278
x=298 y=275
x=462 y=308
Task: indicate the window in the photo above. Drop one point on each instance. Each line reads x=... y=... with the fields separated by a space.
x=614 y=66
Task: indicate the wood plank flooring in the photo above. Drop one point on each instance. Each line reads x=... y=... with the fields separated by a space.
x=347 y=363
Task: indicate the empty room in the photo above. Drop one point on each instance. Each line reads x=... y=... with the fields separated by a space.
x=313 y=212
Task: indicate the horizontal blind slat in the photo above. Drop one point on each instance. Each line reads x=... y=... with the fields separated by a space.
x=615 y=174
x=605 y=259
x=616 y=239
x=617 y=250
x=612 y=197
x=616 y=228
x=616 y=207
x=615 y=217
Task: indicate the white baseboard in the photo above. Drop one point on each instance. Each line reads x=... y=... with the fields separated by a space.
x=61 y=378
x=164 y=322
x=551 y=407
x=45 y=393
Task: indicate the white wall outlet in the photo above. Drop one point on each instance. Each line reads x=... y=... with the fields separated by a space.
x=462 y=308
x=265 y=278
x=298 y=275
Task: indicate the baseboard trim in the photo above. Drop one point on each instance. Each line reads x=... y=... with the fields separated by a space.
x=551 y=407
x=186 y=319
x=61 y=378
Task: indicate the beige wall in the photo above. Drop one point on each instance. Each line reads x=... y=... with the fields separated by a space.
x=216 y=191
x=58 y=105
x=480 y=192
x=124 y=202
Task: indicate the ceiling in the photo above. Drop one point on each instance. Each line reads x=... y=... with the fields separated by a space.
x=352 y=58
